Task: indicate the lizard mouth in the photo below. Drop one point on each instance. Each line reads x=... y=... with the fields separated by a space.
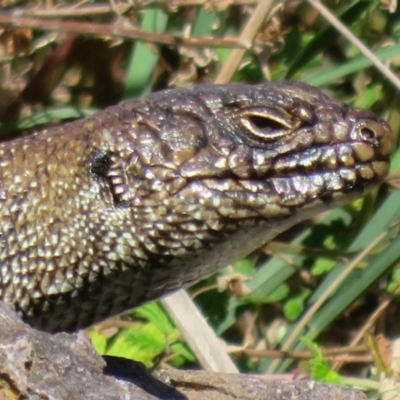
x=355 y=162
x=295 y=190
x=344 y=159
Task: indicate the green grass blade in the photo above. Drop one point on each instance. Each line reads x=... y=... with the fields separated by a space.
x=325 y=38
x=143 y=59
x=322 y=77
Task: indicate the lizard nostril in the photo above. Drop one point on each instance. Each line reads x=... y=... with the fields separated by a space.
x=367 y=134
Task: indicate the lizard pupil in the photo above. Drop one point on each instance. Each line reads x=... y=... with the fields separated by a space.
x=265 y=124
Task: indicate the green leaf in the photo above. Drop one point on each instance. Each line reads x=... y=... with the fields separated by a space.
x=322 y=265
x=394 y=282
x=320 y=369
x=279 y=293
x=181 y=353
x=141 y=343
x=245 y=267
x=149 y=337
x=295 y=306
x=98 y=340
x=155 y=314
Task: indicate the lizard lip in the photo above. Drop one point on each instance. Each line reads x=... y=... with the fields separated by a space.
x=351 y=167
x=364 y=149
x=364 y=159
x=356 y=163
x=323 y=184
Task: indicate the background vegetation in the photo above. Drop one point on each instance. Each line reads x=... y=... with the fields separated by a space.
x=319 y=299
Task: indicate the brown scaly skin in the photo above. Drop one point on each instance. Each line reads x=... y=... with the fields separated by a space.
x=103 y=214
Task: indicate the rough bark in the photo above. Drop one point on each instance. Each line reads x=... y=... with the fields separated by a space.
x=37 y=365
x=203 y=385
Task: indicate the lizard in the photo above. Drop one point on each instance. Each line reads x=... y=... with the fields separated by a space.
x=103 y=214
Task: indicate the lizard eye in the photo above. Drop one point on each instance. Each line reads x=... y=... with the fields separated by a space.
x=267 y=124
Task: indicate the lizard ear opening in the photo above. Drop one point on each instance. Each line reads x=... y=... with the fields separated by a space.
x=106 y=166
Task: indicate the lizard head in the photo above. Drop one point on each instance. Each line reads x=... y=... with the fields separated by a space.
x=265 y=149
